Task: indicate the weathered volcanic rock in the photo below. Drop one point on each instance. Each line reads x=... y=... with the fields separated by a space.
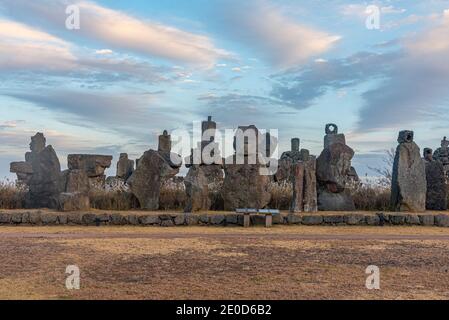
x=93 y=165
x=436 y=197
x=75 y=181
x=334 y=165
x=310 y=186
x=409 y=186
x=125 y=167
x=45 y=182
x=244 y=187
x=333 y=171
x=330 y=201
x=164 y=142
x=332 y=136
x=197 y=190
x=298 y=187
x=74 y=201
x=145 y=182
x=23 y=170
x=41 y=172
x=304 y=187
x=198 y=182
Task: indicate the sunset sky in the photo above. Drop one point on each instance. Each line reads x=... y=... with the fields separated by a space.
x=137 y=67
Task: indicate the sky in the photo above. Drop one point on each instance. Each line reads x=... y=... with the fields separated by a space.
x=135 y=68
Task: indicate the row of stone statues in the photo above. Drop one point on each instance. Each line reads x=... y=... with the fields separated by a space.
x=318 y=183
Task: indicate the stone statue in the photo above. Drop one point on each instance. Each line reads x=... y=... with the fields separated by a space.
x=333 y=171
x=436 y=196
x=244 y=186
x=203 y=177
x=41 y=172
x=153 y=168
x=409 y=186
x=299 y=167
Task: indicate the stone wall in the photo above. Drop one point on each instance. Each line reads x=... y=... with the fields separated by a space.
x=38 y=217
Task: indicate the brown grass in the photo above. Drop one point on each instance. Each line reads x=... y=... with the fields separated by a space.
x=242 y=265
x=112 y=200
x=12 y=196
x=370 y=197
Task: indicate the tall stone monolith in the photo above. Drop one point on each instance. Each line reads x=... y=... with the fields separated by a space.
x=409 y=185
x=154 y=167
x=436 y=196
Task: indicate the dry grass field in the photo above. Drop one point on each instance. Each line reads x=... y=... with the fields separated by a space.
x=284 y=262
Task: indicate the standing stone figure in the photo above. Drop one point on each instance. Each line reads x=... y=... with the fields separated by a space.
x=41 y=172
x=202 y=178
x=154 y=167
x=409 y=186
x=125 y=167
x=334 y=171
x=436 y=197
x=299 y=167
x=244 y=186
x=442 y=154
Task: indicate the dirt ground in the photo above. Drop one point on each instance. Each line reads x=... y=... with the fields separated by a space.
x=284 y=262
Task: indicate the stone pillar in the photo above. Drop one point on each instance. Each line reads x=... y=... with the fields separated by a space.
x=304 y=186
x=436 y=196
x=125 y=167
x=244 y=186
x=298 y=188
x=164 y=142
x=208 y=125
x=268 y=220
x=295 y=145
x=204 y=174
x=310 y=186
x=154 y=167
x=409 y=186
x=246 y=220
x=442 y=154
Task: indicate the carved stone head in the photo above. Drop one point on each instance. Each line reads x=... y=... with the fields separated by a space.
x=38 y=142
x=331 y=128
x=427 y=154
x=405 y=136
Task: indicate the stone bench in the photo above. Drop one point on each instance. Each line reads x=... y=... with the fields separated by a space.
x=267 y=213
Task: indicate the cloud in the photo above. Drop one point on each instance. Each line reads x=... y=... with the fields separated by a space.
x=24 y=47
x=122 y=31
x=281 y=40
x=123 y=114
x=96 y=107
x=104 y=51
x=10 y=124
x=411 y=81
x=235 y=109
x=416 y=88
x=299 y=88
